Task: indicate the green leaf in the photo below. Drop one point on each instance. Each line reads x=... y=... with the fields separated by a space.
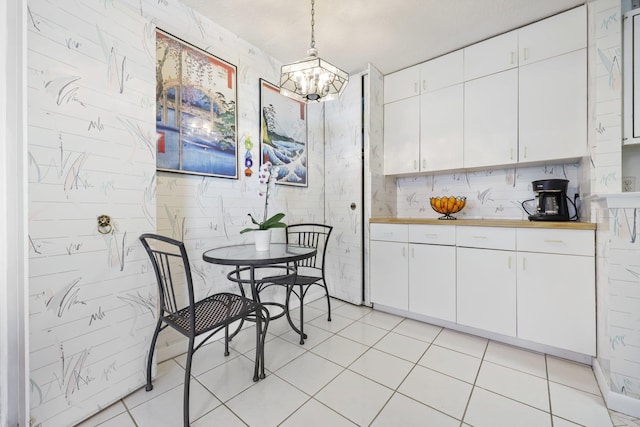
x=253 y=219
x=273 y=222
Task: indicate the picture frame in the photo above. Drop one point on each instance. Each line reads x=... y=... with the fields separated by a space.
x=196 y=115
x=283 y=135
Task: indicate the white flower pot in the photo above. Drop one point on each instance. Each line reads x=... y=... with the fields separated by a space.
x=263 y=239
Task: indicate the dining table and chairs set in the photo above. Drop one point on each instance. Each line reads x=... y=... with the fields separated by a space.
x=295 y=265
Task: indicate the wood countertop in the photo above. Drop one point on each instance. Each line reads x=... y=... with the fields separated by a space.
x=515 y=223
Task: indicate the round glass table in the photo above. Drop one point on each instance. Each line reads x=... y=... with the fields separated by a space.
x=247 y=260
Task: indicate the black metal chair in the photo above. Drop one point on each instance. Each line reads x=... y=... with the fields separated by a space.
x=192 y=317
x=311 y=271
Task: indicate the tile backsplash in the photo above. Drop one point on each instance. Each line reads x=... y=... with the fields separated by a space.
x=495 y=193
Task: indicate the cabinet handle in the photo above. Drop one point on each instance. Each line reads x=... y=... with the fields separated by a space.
x=513 y=57
x=511 y=154
x=404 y=252
x=479 y=237
x=525 y=152
x=526 y=53
x=415 y=87
x=558 y=242
x=413 y=252
x=415 y=165
x=509 y=263
x=424 y=164
x=524 y=264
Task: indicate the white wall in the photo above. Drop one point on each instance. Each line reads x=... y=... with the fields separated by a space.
x=91 y=94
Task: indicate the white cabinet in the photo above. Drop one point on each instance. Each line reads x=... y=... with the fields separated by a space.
x=432 y=271
x=441 y=129
x=402 y=84
x=556 y=289
x=491 y=120
x=524 y=101
x=487 y=290
x=536 y=285
x=441 y=72
x=389 y=261
x=553 y=108
x=491 y=56
x=486 y=279
x=402 y=136
x=553 y=36
x=416 y=127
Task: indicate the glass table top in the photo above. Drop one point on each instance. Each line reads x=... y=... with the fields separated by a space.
x=247 y=254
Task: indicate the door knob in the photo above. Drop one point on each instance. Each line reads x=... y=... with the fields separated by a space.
x=353 y=206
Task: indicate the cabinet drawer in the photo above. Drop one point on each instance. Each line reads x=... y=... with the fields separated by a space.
x=570 y=242
x=487 y=237
x=389 y=232
x=434 y=234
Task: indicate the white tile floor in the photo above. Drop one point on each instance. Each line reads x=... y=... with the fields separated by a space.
x=368 y=368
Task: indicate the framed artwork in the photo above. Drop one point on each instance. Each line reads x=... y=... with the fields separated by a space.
x=196 y=118
x=283 y=135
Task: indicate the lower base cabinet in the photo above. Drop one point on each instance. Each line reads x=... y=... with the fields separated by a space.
x=432 y=281
x=487 y=290
x=389 y=274
x=534 y=284
x=556 y=301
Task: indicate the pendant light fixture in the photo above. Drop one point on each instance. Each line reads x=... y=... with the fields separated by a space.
x=312 y=79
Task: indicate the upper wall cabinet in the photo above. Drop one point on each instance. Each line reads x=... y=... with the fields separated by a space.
x=441 y=72
x=491 y=56
x=416 y=128
x=520 y=97
x=402 y=84
x=553 y=36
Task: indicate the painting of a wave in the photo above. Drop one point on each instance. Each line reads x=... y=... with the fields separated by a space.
x=283 y=135
x=195 y=110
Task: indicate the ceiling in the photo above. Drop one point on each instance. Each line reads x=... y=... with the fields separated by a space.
x=388 y=34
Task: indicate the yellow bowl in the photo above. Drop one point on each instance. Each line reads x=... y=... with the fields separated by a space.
x=447 y=205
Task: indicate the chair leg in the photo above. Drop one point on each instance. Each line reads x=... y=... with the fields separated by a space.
x=326 y=292
x=302 y=335
x=286 y=309
x=226 y=340
x=187 y=382
x=152 y=348
x=258 y=345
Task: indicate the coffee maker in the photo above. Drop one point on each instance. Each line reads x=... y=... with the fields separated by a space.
x=551 y=200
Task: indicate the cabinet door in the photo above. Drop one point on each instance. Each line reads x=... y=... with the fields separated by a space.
x=491 y=120
x=487 y=290
x=553 y=36
x=402 y=136
x=389 y=270
x=402 y=84
x=432 y=281
x=556 y=301
x=553 y=108
x=441 y=72
x=491 y=56
x=441 y=127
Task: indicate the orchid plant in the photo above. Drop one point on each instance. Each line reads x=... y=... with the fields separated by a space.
x=266 y=180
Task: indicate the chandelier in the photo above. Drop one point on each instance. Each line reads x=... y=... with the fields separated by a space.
x=312 y=79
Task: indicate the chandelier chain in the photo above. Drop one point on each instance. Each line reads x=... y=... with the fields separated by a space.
x=313 y=39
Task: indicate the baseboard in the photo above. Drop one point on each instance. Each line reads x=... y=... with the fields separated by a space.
x=615 y=401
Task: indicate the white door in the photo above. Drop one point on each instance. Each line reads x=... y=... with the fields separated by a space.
x=343 y=193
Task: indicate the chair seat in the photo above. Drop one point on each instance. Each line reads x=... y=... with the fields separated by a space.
x=212 y=312
x=307 y=280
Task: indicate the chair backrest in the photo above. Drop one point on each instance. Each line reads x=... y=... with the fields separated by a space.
x=173 y=273
x=309 y=234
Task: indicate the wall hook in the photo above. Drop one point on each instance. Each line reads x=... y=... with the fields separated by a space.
x=104 y=224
